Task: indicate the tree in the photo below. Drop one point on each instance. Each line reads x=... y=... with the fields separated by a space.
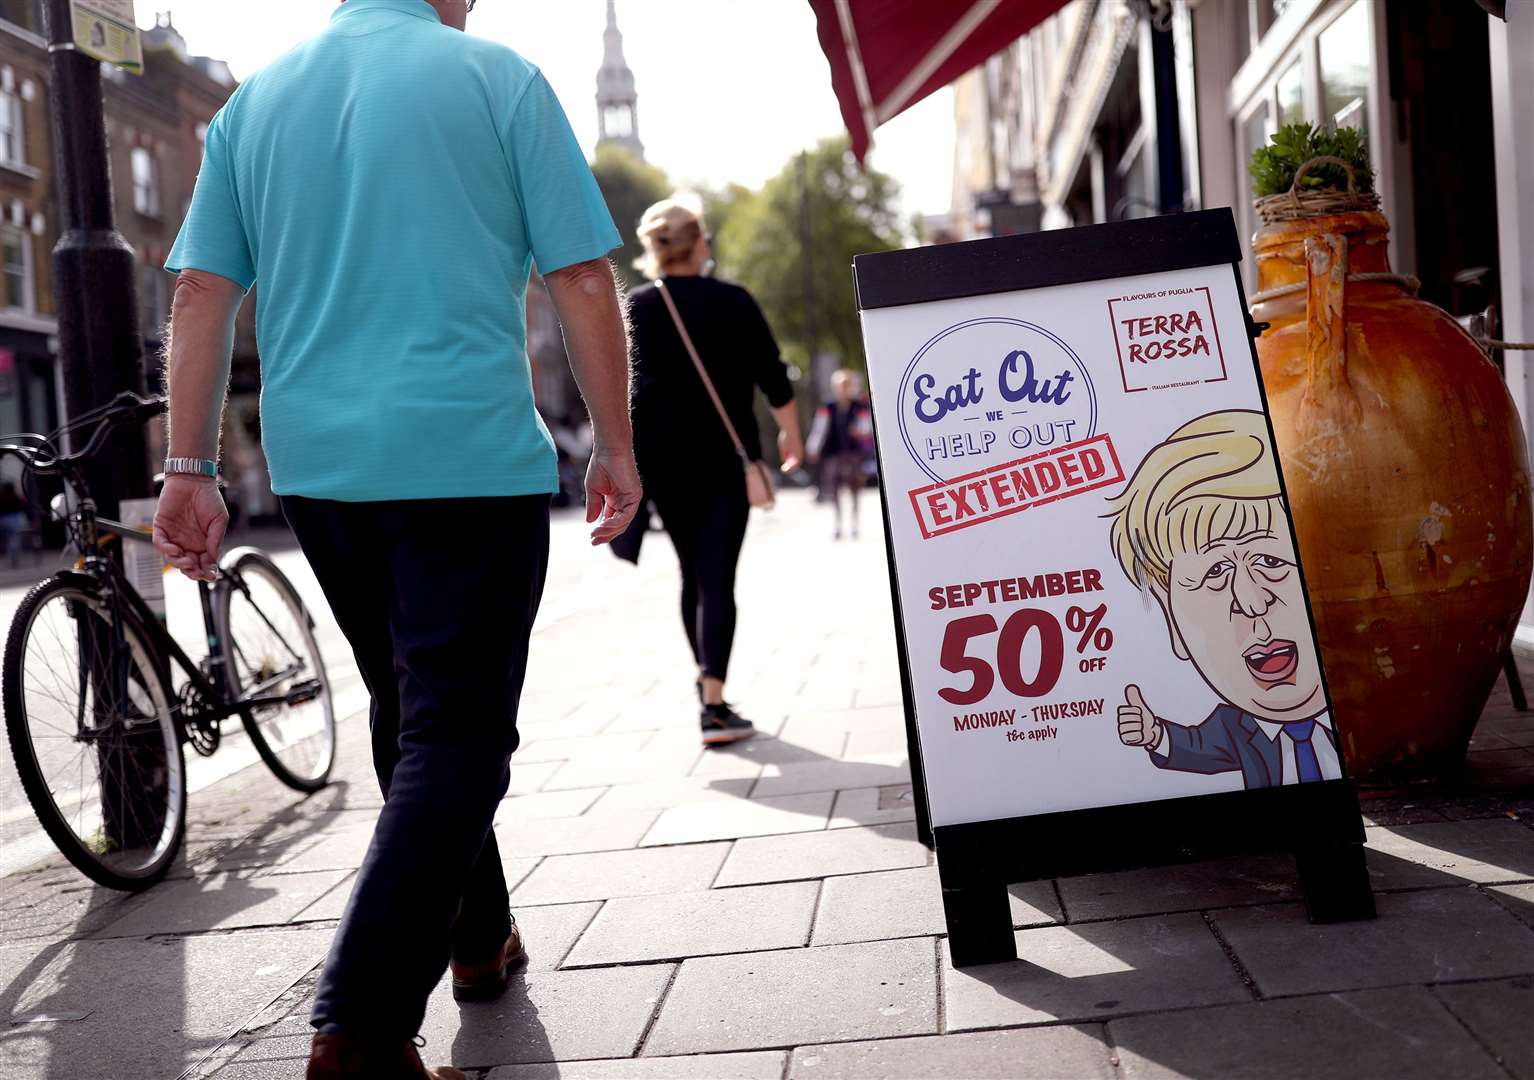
x=851 y=211
x=630 y=187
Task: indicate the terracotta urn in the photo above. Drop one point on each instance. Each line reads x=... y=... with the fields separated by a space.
x=1408 y=480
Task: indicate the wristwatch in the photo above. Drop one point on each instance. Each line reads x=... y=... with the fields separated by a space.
x=191 y=466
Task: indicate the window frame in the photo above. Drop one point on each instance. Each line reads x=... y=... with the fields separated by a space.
x=1295 y=36
x=147 y=196
x=23 y=238
x=12 y=103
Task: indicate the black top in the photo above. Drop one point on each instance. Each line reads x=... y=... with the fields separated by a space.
x=677 y=431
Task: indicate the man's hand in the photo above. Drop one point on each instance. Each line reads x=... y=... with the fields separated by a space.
x=613 y=492
x=790 y=449
x=1138 y=726
x=189 y=525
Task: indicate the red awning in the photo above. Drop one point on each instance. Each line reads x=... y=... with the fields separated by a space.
x=886 y=55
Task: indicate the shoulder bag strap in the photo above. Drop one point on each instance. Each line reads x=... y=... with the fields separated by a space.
x=708 y=384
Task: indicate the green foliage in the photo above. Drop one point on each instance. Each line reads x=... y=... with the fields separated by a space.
x=1273 y=166
x=761 y=245
x=630 y=187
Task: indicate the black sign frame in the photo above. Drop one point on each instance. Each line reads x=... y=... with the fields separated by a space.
x=1319 y=822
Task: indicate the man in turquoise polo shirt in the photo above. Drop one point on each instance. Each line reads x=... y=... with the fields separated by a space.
x=389 y=185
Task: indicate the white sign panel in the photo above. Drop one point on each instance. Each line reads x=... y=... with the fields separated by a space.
x=1099 y=583
x=105 y=30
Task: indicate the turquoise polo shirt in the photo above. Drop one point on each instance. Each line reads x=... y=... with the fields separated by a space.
x=389 y=185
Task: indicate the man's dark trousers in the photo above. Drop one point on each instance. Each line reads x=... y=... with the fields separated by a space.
x=437 y=598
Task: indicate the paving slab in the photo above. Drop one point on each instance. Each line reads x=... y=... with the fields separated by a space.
x=1436 y=935
x=667 y=760
x=873 y=806
x=568 y=836
x=222 y=902
x=662 y=794
x=148 y=1008
x=909 y=903
x=791 y=778
x=822 y=854
x=550 y=931
x=1519 y=899
x=1198 y=886
x=1401 y=1033
x=700 y=822
x=762 y=1065
x=548 y=804
x=532 y=776
x=547 y=1016
x=605 y=874
x=1497 y=1013
x=1048 y=1053
x=831 y=994
x=585 y=747
x=755 y=918
x=1450 y=852
x=1093 y=971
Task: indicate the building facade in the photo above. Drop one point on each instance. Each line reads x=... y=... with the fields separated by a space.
x=1439 y=88
x=155 y=124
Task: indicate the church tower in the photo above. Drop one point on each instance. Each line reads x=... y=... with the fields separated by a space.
x=617 y=102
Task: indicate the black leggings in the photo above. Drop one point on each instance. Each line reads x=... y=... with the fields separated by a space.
x=707 y=524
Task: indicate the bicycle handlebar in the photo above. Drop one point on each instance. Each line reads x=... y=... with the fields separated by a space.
x=126 y=407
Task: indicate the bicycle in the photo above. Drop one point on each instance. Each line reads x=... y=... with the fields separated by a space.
x=97 y=725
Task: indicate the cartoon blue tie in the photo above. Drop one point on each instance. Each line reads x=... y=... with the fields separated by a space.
x=1305 y=762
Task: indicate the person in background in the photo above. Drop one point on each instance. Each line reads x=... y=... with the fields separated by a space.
x=13 y=520
x=841 y=439
x=390 y=184
x=692 y=473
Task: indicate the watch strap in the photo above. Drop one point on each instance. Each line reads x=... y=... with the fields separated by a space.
x=191 y=466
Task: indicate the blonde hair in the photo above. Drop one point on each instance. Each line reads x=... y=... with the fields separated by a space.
x=670 y=231
x=1214 y=478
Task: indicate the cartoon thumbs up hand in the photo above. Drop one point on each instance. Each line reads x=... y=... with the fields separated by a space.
x=1138 y=726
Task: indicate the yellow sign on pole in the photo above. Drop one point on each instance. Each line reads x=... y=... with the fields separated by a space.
x=105 y=29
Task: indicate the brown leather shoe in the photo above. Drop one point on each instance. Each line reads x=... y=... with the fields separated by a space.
x=481 y=982
x=346 y=1057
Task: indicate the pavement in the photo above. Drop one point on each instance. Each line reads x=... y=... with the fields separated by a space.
x=765 y=911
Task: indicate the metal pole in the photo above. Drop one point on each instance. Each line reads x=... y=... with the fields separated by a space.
x=1169 y=171
x=807 y=257
x=100 y=350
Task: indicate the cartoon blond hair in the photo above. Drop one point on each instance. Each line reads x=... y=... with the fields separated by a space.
x=1213 y=478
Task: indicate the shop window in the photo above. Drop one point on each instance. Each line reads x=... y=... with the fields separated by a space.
x=1344 y=49
x=1291 y=95
x=146 y=182
x=15 y=269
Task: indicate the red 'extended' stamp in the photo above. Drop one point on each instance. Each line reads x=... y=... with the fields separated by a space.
x=1015 y=486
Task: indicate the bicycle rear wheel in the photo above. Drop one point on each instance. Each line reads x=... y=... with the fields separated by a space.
x=270 y=651
x=89 y=716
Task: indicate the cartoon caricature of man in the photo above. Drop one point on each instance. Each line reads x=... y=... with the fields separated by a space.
x=1203 y=526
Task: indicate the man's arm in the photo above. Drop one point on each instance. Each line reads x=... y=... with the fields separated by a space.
x=596 y=336
x=190 y=521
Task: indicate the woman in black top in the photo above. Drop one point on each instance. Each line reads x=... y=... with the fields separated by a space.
x=692 y=474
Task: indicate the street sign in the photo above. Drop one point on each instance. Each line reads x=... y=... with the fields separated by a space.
x=1109 y=652
x=105 y=30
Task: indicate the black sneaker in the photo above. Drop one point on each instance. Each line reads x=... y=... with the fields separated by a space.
x=722 y=724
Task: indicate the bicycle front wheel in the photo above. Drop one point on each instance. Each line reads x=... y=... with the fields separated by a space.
x=273 y=661
x=88 y=713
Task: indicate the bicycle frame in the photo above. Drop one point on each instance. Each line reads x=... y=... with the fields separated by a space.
x=221 y=698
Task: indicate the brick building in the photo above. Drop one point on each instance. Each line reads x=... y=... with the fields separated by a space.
x=155 y=125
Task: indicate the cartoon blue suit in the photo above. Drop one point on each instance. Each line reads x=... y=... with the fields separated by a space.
x=1227 y=741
